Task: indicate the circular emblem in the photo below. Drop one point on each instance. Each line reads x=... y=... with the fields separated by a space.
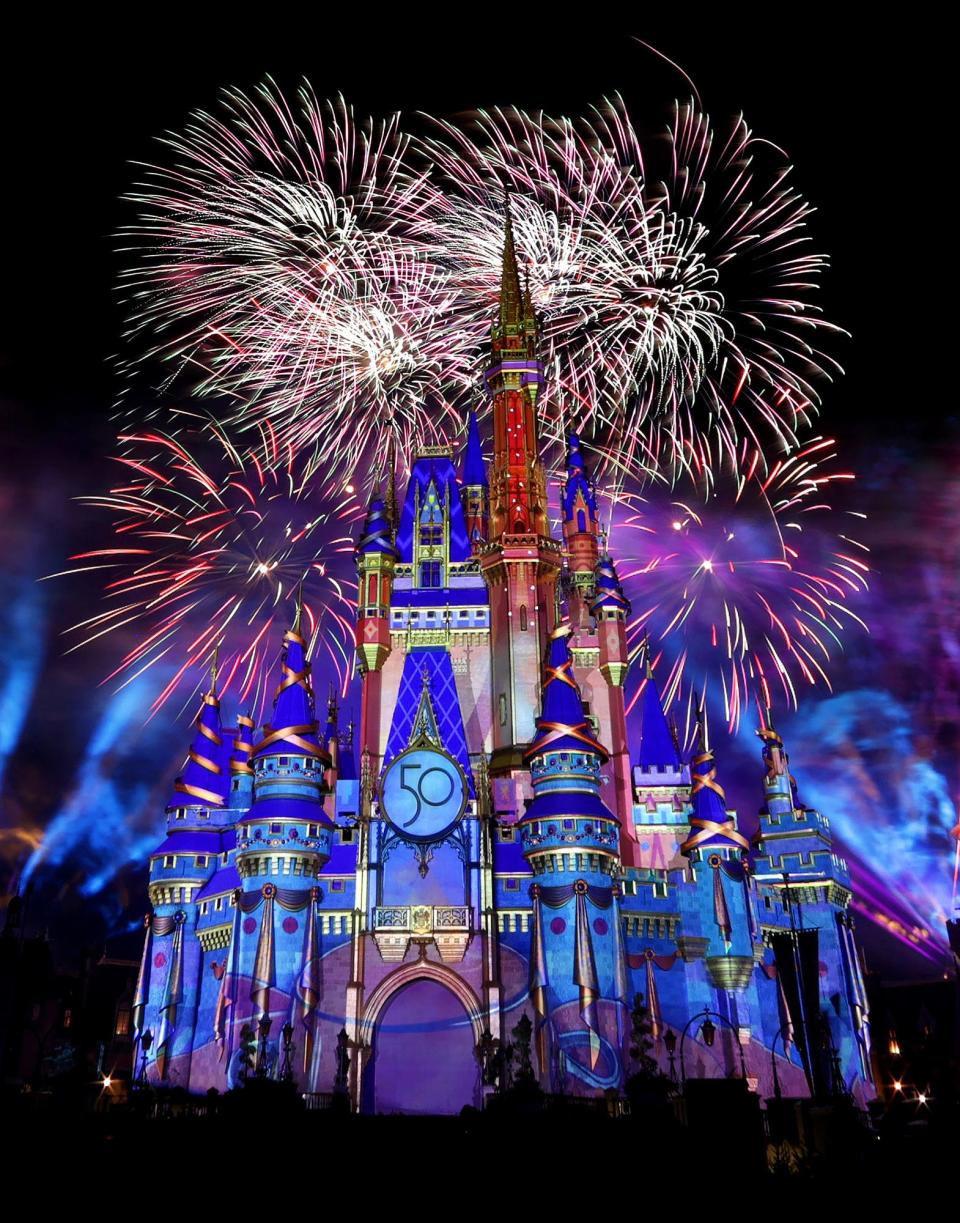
x=423 y=793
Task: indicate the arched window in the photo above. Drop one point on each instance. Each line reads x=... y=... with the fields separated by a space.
x=523 y=619
x=581 y=521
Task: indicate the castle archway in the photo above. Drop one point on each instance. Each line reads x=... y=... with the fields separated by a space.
x=422 y=1025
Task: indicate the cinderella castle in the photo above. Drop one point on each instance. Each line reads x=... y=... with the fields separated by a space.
x=491 y=853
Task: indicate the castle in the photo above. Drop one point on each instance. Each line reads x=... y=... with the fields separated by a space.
x=375 y=923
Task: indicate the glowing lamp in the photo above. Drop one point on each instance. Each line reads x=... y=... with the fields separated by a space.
x=708 y=1031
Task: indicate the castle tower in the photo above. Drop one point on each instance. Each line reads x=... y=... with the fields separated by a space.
x=282 y=843
x=610 y=607
x=719 y=910
x=521 y=563
x=178 y=870
x=581 y=531
x=376 y=564
x=662 y=784
x=473 y=485
x=571 y=841
x=805 y=883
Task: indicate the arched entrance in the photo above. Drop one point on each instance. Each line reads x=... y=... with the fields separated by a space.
x=422 y=1056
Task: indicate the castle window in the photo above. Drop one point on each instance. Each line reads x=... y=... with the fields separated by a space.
x=180 y=814
x=569 y=825
x=336 y=885
x=581 y=522
x=218 y=904
x=660 y=891
x=431 y=575
x=523 y=619
x=346 y=836
x=276 y=828
x=283 y=761
x=204 y=909
x=511 y=885
x=312 y=830
x=203 y=815
x=67 y=1018
x=201 y=859
x=223 y=858
x=169 y=862
x=122 y=1025
x=502 y=706
x=767 y=902
x=506 y=833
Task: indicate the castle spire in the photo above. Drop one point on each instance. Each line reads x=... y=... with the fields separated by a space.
x=204 y=780
x=710 y=825
x=473 y=486
x=293 y=727
x=511 y=301
x=657 y=747
x=562 y=726
x=473 y=472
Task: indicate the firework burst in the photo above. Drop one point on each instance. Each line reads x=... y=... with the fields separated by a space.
x=212 y=544
x=675 y=291
x=273 y=275
x=743 y=589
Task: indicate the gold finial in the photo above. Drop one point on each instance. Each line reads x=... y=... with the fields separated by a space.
x=298 y=607
x=214 y=669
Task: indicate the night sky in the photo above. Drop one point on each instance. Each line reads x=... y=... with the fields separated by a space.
x=852 y=107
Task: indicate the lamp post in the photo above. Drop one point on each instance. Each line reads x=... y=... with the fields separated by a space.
x=708 y=1030
x=146 y=1041
x=286 y=1066
x=263 y=1032
x=670 y=1040
x=773 y=1060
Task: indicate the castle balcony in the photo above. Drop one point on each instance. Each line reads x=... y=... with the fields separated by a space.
x=396 y=926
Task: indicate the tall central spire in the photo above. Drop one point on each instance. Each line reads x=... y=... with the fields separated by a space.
x=510 y=297
x=514 y=379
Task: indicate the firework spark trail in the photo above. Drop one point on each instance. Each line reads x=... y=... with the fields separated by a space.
x=745 y=587
x=273 y=275
x=676 y=293
x=322 y=272
x=212 y=543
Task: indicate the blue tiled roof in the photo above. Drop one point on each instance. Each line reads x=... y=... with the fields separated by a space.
x=558 y=803
x=445 y=702
x=474 y=470
x=206 y=774
x=190 y=841
x=285 y=808
x=293 y=708
x=657 y=749
x=441 y=471
x=226 y=879
x=577 y=481
x=562 y=707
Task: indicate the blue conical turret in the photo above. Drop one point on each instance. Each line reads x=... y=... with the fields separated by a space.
x=578 y=495
x=607 y=591
x=710 y=825
x=474 y=470
x=473 y=484
x=562 y=724
x=657 y=747
x=376 y=535
x=293 y=728
x=205 y=780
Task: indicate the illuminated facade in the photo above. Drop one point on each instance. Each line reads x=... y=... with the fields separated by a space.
x=502 y=848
